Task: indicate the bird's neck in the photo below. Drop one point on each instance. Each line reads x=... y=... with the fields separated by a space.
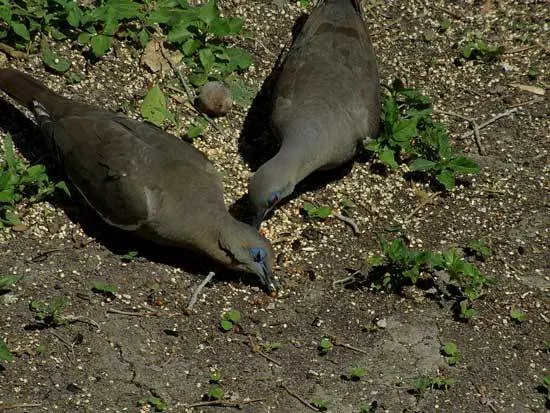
x=292 y=163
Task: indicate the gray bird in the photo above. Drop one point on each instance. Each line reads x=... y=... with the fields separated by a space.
x=141 y=179
x=326 y=101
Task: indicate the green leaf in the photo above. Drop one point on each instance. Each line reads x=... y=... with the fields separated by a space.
x=84 y=38
x=208 y=12
x=215 y=393
x=100 y=44
x=518 y=315
x=207 y=59
x=226 y=325
x=404 y=130
x=5 y=353
x=158 y=403
x=422 y=165
x=74 y=14
x=9 y=152
x=7 y=281
x=103 y=287
x=314 y=211
x=234 y=316
x=238 y=59
x=447 y=179
x=179 y=33
x=21 y=30
x=463 y=165
x=153 y=108
x=53 y=61
x=387 y=156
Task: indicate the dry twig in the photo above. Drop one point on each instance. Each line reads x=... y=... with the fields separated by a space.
x=300 y=399
x=224 y=403
x=10 y=51
x=488 y=122
x=18 y=406
x=189 y=309
x=474 y=125
x=256 y=349
x=346 y=220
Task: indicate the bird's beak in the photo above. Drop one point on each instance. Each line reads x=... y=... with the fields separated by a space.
x=268 y=279
x=258 y=219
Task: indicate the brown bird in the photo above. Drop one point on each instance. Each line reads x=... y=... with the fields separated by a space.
x=326 y=101
x=140 y=179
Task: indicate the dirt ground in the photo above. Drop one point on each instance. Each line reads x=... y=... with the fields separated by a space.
x=107 y=361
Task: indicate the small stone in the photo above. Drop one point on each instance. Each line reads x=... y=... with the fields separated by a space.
x=215 y=99
x=382 y=323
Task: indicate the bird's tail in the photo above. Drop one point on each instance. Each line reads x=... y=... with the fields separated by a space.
x=29 y=91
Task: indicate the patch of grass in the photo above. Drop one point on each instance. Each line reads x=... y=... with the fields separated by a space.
x=156 y=403
x=199 y=32
x=477 y=48
x=229 y=320
x=325 y=345
x=421 y=384
x=451 y=353
x=22 y=183
x=409 y=135
x=6 y=282
x=102 y=287
x=321 y=404
x=5 y=354
x=518 y=315
x=479 y=249
x=397 y=266
x=50 y=313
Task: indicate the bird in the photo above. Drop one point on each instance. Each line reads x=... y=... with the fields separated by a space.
x=143 y=180
x=325 y=102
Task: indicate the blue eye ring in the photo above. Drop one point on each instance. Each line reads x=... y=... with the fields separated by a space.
x=258 y=254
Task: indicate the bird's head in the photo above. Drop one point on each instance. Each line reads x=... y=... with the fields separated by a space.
x=251 y=252
x=267 y=189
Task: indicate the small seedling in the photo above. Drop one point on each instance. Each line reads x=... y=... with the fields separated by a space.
x=546 y=388
x=315 y=211
x=215 y=393
x=197 y=128
x=5 y=354
x=409 y=135
x=215 y=377
x=518 y=315
x=533 y=73
x=480 y=249
x=50 y=313
x=477 y=48
x=320 y=404
x=156 y=403
x=230 y=319
x=451 y=352
x=368 y=408
x=7 y=282
x=129 y=256
x=355 y=373
x=421 y=384
x=325 y=345
x=103 y=288
x=269 y=347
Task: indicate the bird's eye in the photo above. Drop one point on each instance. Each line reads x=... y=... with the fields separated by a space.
x=273 y=199
x=258 y=254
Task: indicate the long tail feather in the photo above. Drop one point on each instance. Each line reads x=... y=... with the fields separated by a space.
x=27 y=90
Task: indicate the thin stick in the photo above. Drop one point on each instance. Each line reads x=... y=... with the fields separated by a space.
x=18 y=406
x=449 y=12
x=134 y=313
x=189 y=309
x=10 y=51
x=529 y=102
x=348 y=346
x=474 y=125
x=300 y=399
x=225 y=403
x=346 y=220
x=493 y=119
x=45 y=254
x=257 y=350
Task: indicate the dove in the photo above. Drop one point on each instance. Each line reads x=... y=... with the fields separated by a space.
x=325 y=102
x=140 y=179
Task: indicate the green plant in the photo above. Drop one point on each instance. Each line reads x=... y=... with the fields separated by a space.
x=477 y=48
x=7 y=281
x=215 y=377
x=451 y=352
x=215 y=393
x=409 y=135
x=50 y=313
x=129 y=256
x=315 y=211
x=355 y=373
x=325 y=345
x=533 y=72
x=5 y=354
x=103 y=288
x=518 y=315
x=480 y=249
x=20 y=182
x=368 y=408
x=156 y=403
x=320 y=404
x=421 y=384
x=230 y=319
x=545 y=386
x=153 y=108
x=271 y=346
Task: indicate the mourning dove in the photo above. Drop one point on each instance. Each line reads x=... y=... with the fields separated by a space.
x=140 y=179
x=326 y=101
